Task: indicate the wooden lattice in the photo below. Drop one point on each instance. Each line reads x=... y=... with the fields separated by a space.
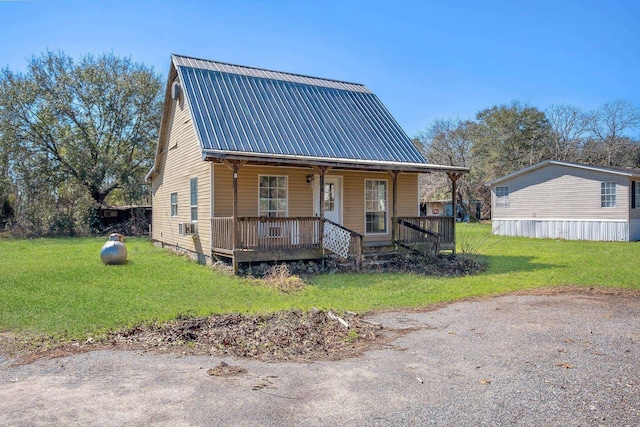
x=336 y=240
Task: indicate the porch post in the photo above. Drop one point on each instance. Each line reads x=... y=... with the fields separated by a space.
x=235 y=215
x=321 y=171
x=234 y=165
x=394 y=204
x=454 y=205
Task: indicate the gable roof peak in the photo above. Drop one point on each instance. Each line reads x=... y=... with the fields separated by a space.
x=242 y=70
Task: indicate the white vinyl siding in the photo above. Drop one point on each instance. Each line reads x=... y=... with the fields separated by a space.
x=608 y=194
x=557 y=192
x=375 y=200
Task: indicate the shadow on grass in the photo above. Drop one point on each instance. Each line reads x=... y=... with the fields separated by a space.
x=499 y=264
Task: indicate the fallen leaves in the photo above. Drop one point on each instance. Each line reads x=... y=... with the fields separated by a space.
x=226 y=370
x=565 y=365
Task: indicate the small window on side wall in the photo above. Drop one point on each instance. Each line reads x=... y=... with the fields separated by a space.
x=502 y=196
x=194 y=199
x=635 y=194
x=608 y=194
x=174 y=204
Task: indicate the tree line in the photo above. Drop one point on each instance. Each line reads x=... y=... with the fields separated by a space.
x=505 y=138
x=74 y=136
x=78 y=135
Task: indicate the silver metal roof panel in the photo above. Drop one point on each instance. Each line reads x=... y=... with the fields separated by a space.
x=243 y=109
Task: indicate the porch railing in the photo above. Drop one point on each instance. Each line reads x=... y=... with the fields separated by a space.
x=346 y=243
x=222 y=233
x=430 y=229
x=266 y=233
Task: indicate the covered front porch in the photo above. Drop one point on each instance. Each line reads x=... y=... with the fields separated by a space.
x=371 y=215
x=257 y=239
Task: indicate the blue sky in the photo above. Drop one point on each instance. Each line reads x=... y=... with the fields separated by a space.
x=424 y=59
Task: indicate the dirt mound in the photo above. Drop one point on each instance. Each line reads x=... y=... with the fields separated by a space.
x=287 y=335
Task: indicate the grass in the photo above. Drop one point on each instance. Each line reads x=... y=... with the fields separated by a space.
x=59 y=287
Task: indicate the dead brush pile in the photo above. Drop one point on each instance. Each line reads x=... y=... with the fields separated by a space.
x=287 y=335
x=279 y=277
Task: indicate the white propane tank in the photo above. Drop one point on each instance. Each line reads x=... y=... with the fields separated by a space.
x=114 y=252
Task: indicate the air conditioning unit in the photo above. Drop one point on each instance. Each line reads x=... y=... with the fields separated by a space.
x=187 y=228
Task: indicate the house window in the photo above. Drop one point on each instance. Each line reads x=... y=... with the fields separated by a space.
x=608 y=194
x=502 y=196
x=329 y=197
x=636 y=194
x=194 y=199
x=272 y=196
x=174 y=204
x=375 y=202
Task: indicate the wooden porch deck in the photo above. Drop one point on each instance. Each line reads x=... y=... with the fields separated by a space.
x=257 y=239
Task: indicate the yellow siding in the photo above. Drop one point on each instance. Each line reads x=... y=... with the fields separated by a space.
x=353 y=187
x=180 y=161
x=300 y=195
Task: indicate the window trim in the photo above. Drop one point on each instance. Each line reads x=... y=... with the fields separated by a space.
x=193 y=207
x=502 y=201
x=612 y=196
x=386 y=204
x=172 y=203
x=635 y=194
x=286 y=189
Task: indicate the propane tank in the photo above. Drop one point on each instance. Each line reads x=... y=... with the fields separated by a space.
x=114 y=252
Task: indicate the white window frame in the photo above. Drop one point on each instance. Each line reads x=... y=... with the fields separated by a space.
x=502 y=200
x=608 y=197
x=367 y=210
x=174 y=204
x=193 y=195
x=278 y=212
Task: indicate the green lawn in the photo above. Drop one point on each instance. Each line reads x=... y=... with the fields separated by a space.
x=59 y=287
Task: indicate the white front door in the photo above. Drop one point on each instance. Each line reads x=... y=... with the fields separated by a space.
x=332 y=198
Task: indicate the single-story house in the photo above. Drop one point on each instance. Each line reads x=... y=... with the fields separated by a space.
x=260 y=165
x=562 y=200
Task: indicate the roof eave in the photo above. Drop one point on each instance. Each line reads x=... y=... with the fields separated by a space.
x=559 y=163
x=374 y=165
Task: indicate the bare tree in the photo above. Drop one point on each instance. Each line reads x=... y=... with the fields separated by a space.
x=610 y=126
x=569 y=125
x=449 y=142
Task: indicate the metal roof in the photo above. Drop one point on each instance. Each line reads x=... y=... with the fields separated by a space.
x=238 y=109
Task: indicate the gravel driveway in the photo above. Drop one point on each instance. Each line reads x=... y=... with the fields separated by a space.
x=560 y=360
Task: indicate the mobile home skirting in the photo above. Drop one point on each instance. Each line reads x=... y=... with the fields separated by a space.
x=613 y=231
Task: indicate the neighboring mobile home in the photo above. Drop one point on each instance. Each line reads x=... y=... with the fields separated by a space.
x=259 y=165
x=571 y=201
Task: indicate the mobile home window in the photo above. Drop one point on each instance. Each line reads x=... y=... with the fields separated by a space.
x=608 y=194
x=636 y=194
x=375 y=201
x=502 y=196
x=174 y=204
x=272 y=197
x=194 y=199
